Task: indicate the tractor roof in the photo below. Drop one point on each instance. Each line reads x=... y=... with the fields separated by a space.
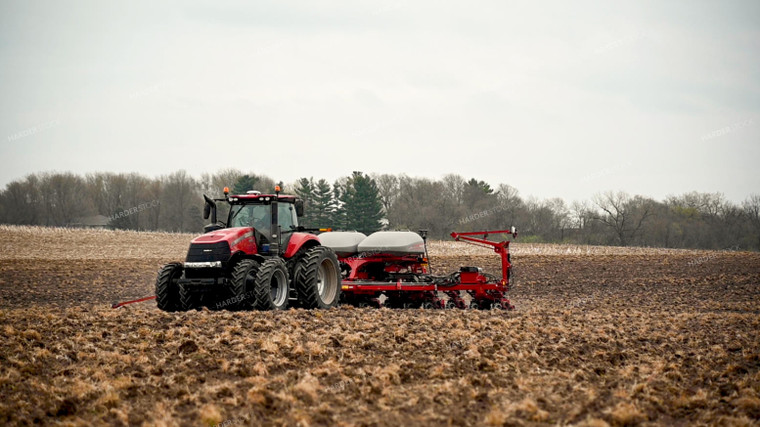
x=261 y=198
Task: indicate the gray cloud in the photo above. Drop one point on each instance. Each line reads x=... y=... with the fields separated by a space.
x=535 y=96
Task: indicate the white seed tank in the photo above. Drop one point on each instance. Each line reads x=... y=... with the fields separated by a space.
x=393 y=243
x=343 y=243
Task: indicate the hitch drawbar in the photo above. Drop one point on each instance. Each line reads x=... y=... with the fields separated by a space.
x=122 y=304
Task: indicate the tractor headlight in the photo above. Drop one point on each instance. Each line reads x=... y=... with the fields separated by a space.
x=210 y=264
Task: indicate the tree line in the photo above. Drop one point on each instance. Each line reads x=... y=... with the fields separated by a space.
x=383 y=201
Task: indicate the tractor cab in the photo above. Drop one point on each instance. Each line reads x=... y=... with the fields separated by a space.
x=273 y=217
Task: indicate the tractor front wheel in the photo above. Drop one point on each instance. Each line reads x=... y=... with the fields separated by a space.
x=167 y=291
x=318 y=278
x=270 y=286
x=187 y=300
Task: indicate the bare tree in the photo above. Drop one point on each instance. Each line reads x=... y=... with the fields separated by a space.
x=153 y=192
x=623 y=214
x=422 y=205
x=179 y=193
x=62 y=198
x=510 y=204
x=388 y=186
x=560 y=217
x=21 y=202
x=454 y=186
x=580 y=214
x=213 y=184
x=690 y=220
x=751 y=208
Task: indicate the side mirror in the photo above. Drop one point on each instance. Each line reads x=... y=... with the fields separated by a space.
x=299 y=208
x=514 y=231
x=209 y=209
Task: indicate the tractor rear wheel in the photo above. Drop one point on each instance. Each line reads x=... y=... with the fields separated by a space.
x=167 y=291
x=270 y=286
x=318 y=278
x=242 y=285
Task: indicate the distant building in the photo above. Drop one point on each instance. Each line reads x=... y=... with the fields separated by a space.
x=94 y=221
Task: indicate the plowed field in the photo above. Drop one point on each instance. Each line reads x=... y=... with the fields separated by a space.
x=599 y=336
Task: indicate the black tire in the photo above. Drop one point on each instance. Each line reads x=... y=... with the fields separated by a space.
x=187 y=300
x=242 y=285
x=270 y=287
x=294 y=265
x=294 y=262
x=167 y=290
x=318 y=279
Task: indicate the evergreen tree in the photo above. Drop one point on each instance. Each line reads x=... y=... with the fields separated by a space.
x=323 y=204
x=480 y=185
x=244 y=184
x=305 y=191
x=338 y=215
x=478 y=196
x=362 y=204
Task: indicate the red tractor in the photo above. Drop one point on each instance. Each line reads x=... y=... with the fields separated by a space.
x=260 y=258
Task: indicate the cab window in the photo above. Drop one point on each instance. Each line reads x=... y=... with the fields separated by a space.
x=256 y=216
x=286 y=214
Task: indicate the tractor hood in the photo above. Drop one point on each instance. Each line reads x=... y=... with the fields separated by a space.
x=230 y=235
x=215 y=249
x=239 y=239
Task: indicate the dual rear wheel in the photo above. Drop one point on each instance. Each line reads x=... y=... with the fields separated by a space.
x=317 y=278
x=265 y=286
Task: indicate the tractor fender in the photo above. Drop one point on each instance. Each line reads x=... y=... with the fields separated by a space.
x=299 y=241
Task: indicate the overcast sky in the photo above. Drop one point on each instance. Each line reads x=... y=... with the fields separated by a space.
x=565 y=99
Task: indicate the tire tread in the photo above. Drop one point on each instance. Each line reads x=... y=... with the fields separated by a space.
x=306 y=279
